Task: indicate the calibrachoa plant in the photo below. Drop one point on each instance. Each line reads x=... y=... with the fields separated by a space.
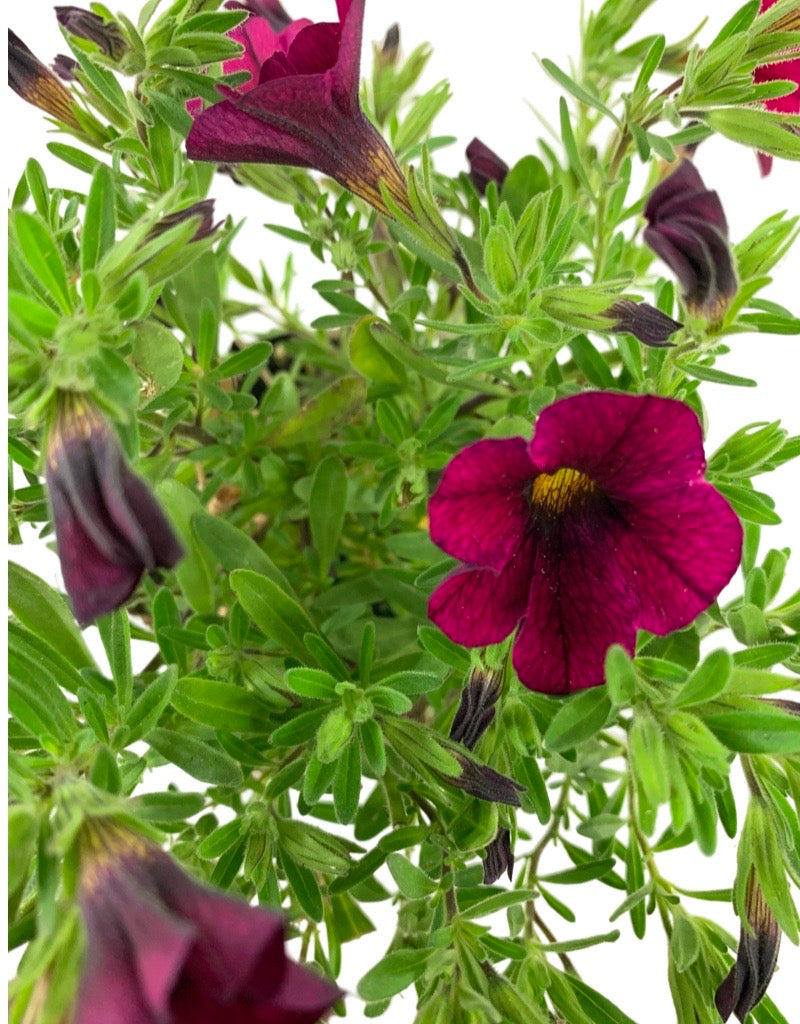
x=433 y=587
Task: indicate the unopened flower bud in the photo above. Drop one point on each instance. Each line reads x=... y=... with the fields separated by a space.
x=477 y=708
x=643 y=321
x=202 y=211
x=499 y=857
x=36 y=84
x=65 y=67
x=485 y=166
x=86 y=25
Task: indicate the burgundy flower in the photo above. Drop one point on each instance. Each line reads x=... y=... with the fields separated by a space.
x=36 y=84
x=781 y=70
x=109 y=527
x=759 y=942
x=85 y=25
x=162 y=949
x=485 y=166
x=602 y=524
x=688 y=230
x=643 y=321
x=304 y=111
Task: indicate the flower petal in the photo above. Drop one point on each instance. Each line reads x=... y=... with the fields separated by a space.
x=581 y=602
x=481 y=508
x=631 y=446
x=302 y=998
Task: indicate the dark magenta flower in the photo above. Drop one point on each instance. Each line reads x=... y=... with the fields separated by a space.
x=305 y=112
x=86 y=25
x=782 y=70
x=163 y=949
x=687 y=229
x=643 y=321
x=601 y=525
x=109 y=527
x=485 y=166
x=759 y=943
x=36 y=84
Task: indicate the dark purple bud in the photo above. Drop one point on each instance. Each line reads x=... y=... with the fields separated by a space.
x=202 y=211
x=759 y=942
x=499 y=857
x=65 y=67
x=271 y=10
x=485 y=783
x=476 y=710
x=485 y=166
x=791 y=707
x=36 y=84
x=688 y=230
x=387 y=55
x=170 y=950
x=85 y=25
x=109 y=527
x=643 y=321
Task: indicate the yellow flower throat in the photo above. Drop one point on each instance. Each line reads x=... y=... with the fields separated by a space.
x=556 y=492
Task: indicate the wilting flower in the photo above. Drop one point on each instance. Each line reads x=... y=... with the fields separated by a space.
x=109 y=527
x=687 y=229
x=477 y=707
x=36 y=84
x=643 y=321
x=304 y=111
x=85 y=25
x=759 y=942
x=499 y=857
x=203 y=211
x=485 y=166
x=162 y=949
x=602 y=524
x=782 y=69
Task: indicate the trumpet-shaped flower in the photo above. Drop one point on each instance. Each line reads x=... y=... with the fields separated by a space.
x=687 y=229
x=601 y=525
x=305 y=112
x=162 y=949
x=109 y=527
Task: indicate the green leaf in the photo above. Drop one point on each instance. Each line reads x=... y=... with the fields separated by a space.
x=311 y=682
x=115 y=632
x=157 y=354
x=621 y=676
x=347 y=784
x=397 y=970
x=582 y=95
x=196 y=758
x=765 y=731
x=760 y=129
x=169 y=806
x=598 y=1009
x=249 y=358
x=280 y=617
x=322 y=416
x=708 y=680
x=234 y=549
x=34 y=695
x=412 y=881
x=326 y=507
x=46 y=613
x=578 y=719
x=303 y=884
x=195 y=570
x=527 y=178
x=23 y=829
x=100 y=222
x=220 y=840
x=43 y=257
x=371 y=359
x=221 y=705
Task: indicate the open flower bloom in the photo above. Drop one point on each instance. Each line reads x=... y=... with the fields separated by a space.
x=36 y=84
x=485 y=166
x=687 y=229
x=304 y=111
x=783 y=70
x=109 y=527
x=601 y=525
x=162 y=949
x=759 y=942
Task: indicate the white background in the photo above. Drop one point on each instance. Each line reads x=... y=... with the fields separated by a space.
x=488 y=52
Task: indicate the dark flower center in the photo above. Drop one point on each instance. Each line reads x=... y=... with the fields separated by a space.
x=554 y=493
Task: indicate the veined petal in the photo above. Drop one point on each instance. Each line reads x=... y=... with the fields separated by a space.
x=581 y=602
x=481 y=508
x=631 y=446
x=482 y=606
x=346 y=72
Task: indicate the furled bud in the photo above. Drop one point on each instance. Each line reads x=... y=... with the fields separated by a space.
x=688 y=230
x=477 y=707
x=109 y=527
x=485 y=783
x=499 y=857
x=643 y=321
x=36 y=84
x=86 y=25
x=202 y=211
x=65 y=67
x=759 y=942
x=485 y=166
